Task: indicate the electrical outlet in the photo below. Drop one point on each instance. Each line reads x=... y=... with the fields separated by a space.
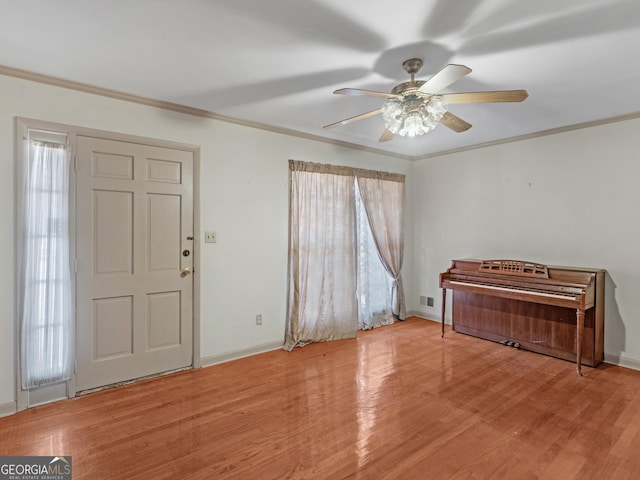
x=259 y=319
x=423 y=300
x=210 y=237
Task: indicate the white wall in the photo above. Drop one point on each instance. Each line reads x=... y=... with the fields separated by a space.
x=565 y=199
x=244 y=198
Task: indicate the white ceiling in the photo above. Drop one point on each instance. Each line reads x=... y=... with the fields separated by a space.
x=277 y=62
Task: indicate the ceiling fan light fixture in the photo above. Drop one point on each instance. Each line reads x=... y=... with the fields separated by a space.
x=392 y=113
x=416 y=107
x=413 y=115
x=413 y=125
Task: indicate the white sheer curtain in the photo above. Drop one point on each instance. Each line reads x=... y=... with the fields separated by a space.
x=383 y=199
x=322 y=264
x=47 y=302
x=374 y=284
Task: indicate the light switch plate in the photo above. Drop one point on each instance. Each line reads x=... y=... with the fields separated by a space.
x=210 y=237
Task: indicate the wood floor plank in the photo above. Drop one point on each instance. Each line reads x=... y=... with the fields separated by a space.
x=397 y=402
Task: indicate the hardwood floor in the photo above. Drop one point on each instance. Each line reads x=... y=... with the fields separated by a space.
x=397 y=402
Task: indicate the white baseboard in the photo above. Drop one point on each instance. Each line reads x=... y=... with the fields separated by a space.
x=7 y=409
x=622 y=361
x=426 y=316
x=247 y=352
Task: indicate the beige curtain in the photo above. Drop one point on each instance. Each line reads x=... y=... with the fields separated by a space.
x=322 y=265
x=383 y=198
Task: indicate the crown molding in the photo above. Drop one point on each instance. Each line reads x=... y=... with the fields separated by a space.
x=541 y=133
x=175 y=107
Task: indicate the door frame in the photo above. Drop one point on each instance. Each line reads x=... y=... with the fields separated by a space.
x=22 y=126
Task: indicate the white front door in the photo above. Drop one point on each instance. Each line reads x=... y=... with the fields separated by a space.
x=135 y=257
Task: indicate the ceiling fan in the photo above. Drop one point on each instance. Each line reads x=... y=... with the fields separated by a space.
x=415 y=107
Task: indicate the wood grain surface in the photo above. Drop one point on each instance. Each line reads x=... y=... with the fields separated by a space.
x=398 y=402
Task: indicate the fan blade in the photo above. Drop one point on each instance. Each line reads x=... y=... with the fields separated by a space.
x=445 y=77
x=368 y=93
x=454 y=123
x=486 y=97
x=353 y=119
x=386 y=136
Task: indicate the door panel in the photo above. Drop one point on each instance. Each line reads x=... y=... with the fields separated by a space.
x=112 y=328
x=112 y=166
x=135 y=217
x=113 y=212
x=162 y=311
x=163 y=232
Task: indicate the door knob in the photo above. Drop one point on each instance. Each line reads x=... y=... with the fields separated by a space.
x=185 y=272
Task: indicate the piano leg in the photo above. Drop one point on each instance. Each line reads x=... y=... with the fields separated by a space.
x=444 y=304
x=579 y=329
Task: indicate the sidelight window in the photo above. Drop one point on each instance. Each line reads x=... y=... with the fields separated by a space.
x=46 y=297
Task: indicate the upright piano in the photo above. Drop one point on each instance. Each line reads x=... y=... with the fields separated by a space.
x=557 y=311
